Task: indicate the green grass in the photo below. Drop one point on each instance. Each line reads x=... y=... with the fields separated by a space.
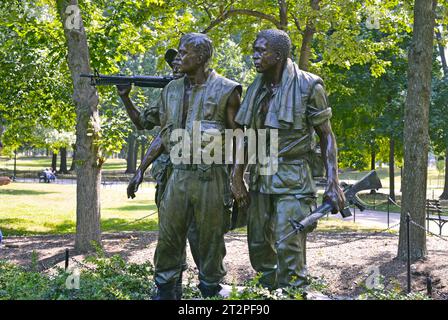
x=36 y=209
x=27 y=208
x=337 y=225
x=434 y=185
x=435 y=178
x=40 y=163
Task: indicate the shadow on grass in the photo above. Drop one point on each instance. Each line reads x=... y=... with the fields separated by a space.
x=23 y=192
x=16 y=229
x=69 y=227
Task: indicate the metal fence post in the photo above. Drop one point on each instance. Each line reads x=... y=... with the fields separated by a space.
x=429 y=286
x=408 y=240
x=388 y=210
x=66 y=259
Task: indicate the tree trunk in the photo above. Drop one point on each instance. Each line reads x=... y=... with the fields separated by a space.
x=392 y=168
x=143 y=151
x=305 y=49
x=88 y=164
x=63 y=165
x=283 y=14
x=444 y=195
x=416 y=140
x=72 y=166
x=1 y=129
x=131 y=159
x=54 y=160
x=372 y=163
x=442 y=53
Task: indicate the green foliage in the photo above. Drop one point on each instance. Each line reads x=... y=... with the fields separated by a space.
x=394 y=291
x=33 y=73
x=230 y=61
x=252 y=290
x=18 y=284
x=394 y=294
x=107 y=279
x=364 y=68
x=438 y=117
x=113 y=278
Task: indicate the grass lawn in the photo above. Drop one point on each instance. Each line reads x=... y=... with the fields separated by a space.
x=38 y=208
x=40 y=163
x=118 y=166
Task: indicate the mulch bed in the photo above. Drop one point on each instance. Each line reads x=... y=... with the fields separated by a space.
x=343 y=265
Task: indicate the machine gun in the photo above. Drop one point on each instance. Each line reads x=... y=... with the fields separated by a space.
x=368 y=182
x=97 y=79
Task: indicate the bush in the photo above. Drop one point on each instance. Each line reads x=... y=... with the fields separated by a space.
x=16 y=283
x=108 y=279
x=394 y=292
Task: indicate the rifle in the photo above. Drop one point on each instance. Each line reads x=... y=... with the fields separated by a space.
x=97 y=79
x=368 y=182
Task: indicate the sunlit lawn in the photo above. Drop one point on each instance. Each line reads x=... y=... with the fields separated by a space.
x=40 y=163
x=435 y=178
x=40 y=208
x=434 y=182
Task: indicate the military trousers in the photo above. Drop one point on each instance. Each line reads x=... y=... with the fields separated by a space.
x=198 y=195
x=268 y=221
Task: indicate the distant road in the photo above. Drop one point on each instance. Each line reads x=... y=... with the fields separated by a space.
x=378 y=219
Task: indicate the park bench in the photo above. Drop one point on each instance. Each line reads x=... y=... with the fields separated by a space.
x=42 y=177
x=106 y=183
x=435 y=212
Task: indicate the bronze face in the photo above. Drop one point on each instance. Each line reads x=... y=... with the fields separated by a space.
x=176 y=69
x=188 y=59
x=264 y=57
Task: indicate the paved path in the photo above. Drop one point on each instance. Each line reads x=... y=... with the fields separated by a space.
x=379 y=219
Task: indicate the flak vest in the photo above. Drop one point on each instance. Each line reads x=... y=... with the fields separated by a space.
x=288 y=112
x=206 y=110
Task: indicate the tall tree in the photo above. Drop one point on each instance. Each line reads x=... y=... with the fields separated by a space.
x=63 y=164
x=54 y=160
x=392 y=168
x=131 y=158
x=441 y=49
x=416 y=140
x=88 y=163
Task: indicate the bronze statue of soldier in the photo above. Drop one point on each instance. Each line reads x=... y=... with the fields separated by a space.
x=160 y=163
x=293 y=102
x=195 y=192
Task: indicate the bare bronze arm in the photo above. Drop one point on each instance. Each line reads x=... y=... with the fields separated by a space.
x=333 y=192
x=154 y=151
x=237 y=182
